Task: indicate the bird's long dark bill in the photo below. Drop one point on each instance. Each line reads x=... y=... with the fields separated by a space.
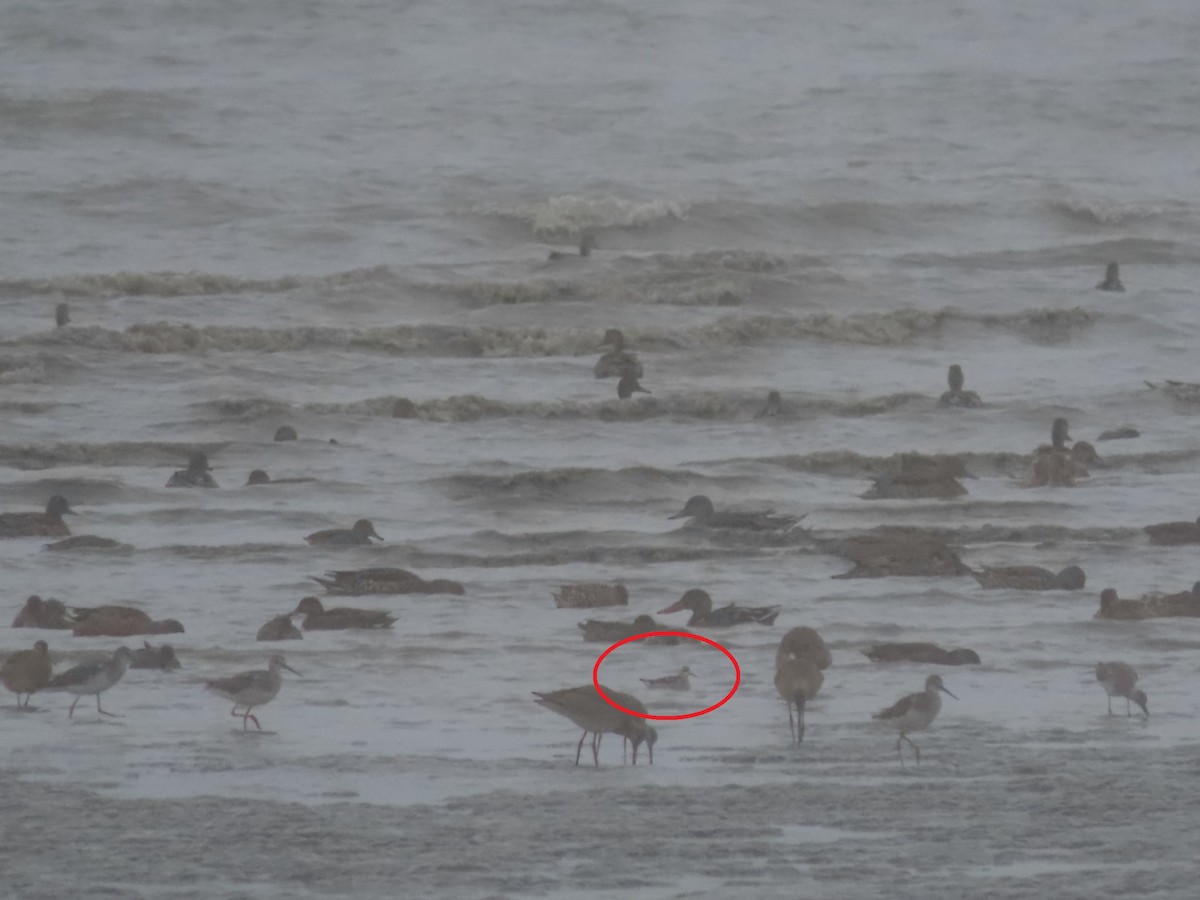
x=674 y=607
x=947 y=690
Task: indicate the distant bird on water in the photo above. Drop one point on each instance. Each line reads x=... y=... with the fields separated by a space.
x=617 y=360
x=1112 y=279
x=359 y=533
x=318 y=618
x=628 y=386
x=39 y=613
x=251 y=689
x=92 y=678
x=703 y=514
x=700 y=602
x=680 y=681
x=62 y=315
x=197 y=474
x=914 y=712
x=38 y=524
x=956 y=396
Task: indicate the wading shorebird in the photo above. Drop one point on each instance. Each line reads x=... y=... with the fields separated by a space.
x=677 y=682
x=92 y=678
x=251 y=689
x=27 y=671
x=1119 y=680
x=914 y=712
x=797 y=679
x=38 y=524
x=586 y=708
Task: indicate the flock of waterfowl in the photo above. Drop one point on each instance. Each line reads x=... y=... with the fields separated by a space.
x=801 y=657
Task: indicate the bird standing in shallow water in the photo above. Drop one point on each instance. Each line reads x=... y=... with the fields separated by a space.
x=27 y=671
x=914 y=712
x=586 y=708
x=251 y=689
x=1119 y=680
x=92 y=678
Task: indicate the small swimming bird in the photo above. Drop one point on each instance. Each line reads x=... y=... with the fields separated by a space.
x=197 y=474
x=1056 y=465
x=360 y=533
x=898 y=552
x=677 y=682
x=1119 y=679
x=701 y=604
x=617 y=361
x=62 y=315
x=914 y=712
x=628 y=386
x=260 y=476
x=586 y=708
x=1031 y=578
x=318 y=618
x=151 y=657
x=587 y=243
x=773 y=407
x=39 y=613
x=1112 y=279
x=381 y=580
x=120 y=621
x=38 y=524
x=598 y=631
x=1124 y=433
x=920 y=477
x=956 y=397
x=702 y=513
x=919 y=652
x=27 y=671
x=251 y=689
x=803 y=642
x=86 y=542
x=1173 y=533
x=92 y=678
x=280 y=628
x=285 y=433
x=797 y=679
x=588 y=596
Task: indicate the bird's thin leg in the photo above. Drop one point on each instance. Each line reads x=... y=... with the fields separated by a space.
x=252 y=718
x=791 y=723
x=596 y=749
x=579 y=749
x=1127 y=712
x=916 y=749
x=900 y=751
x=71 y=711
x=233 y=712
x=1110 y=704
x=800 y=703
x=105 y=713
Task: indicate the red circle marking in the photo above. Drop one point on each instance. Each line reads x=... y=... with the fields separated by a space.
x=737 y=675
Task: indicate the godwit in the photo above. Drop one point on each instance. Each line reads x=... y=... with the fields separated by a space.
x=1119 y=680
x=251 y=689
x=914 y=712
x=586 y=708
x=27 y=671
x=798 y=679
x=92 y=678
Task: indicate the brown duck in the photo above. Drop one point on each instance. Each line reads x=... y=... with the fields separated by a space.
x=597 y=631
x=318 y=618
x=921 y=653
x=39 y=613
x=703 y=614
x=380 y=580
x=120 y=621
x=588 y=596
x=360 y=533
x=1031 y=578
x=32 y=524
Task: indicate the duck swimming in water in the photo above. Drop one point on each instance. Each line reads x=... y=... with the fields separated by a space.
x=360 y=533
x=599 y=631
x=590 y=595
x=39 y=613
x=919 y=652
x=628 y=386
x=703 y=614
x=618 y=360
x=956 y=397
x=38 y=524
x=587 y=243
x=318 y=618
x=1174 y=533
x=1112 y=279
x=1031 y=578
x=704 y=515
x=381 y=580
x=197 y=474
x=773 y=407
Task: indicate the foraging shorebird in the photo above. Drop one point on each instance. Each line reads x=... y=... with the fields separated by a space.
x=280 y=628
x=617 y=361
x=1112 y=279
x=1174 y=533
x=251 y=689
x=39 y=613
x=914 y=712
x=773 y=407
x=92 y=678
x=797 y=679
x=151 y=657
x=703 y=514
x=590 y=595
x=956 y=396
x=360 y=533
x=677 y=682
x=1119 y=680
x=586 y=708
x=383 y=580
x=701 y=605
x=197 y=474
x=27 y=671
x=920 y=652
x=1031 y=578
x=318 y=618
x=38 y=524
